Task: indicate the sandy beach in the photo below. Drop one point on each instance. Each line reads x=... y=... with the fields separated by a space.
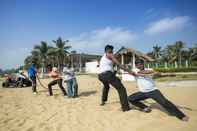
x=20 y=110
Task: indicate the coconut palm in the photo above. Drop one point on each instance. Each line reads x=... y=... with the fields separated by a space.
x=156 y=53
x=174 y=52
x=193 y=52
x=61 y=50
x=179 y=46
x=41 y=52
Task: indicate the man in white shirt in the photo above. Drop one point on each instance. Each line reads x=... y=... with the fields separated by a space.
x=107 y=76
x=147 y=89
x=70 y=79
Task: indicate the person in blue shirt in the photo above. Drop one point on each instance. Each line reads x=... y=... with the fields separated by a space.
x=32 y=76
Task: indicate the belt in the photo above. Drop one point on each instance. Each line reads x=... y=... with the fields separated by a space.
x=106 y=72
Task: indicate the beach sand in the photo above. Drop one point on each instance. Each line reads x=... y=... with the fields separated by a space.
x=20 y=110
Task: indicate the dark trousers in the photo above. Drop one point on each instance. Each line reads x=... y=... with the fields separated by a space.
x=110 y=78
x=33 y=79
x=54 y=82
x=159 y=98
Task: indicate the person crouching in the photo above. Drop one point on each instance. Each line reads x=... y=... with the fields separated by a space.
x=56 y=80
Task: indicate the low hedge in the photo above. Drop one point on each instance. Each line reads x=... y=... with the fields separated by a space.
x=190 y=69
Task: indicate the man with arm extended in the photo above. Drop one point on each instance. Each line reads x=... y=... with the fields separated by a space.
x=147 y=89
x=107 y=77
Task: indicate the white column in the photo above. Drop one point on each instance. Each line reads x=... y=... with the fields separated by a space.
x=133 y=54
x=122 y=59
x=148 y=66
x=122 y=62
x=186 y=63
x=176 y=64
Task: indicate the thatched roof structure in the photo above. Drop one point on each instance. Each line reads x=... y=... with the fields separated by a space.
x=139 y=54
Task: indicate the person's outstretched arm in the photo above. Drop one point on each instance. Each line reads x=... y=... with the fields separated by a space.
x=122 y=66
x=149 y=73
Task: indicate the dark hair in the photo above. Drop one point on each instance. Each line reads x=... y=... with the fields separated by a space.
x=139 y=61
x=108 y=47
x=33 y=61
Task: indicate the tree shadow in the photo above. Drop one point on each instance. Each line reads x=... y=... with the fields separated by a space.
x=87 y=93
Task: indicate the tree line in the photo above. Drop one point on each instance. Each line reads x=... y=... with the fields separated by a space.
x=44 y=54
x=175 y=55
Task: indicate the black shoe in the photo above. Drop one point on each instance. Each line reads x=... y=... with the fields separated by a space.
x=102 y=103
x=146 y=110
x=128 y=109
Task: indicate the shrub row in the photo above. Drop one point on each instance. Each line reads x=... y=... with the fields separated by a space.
x=190 y=69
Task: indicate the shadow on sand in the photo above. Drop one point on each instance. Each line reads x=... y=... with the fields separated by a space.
x=82 y=94
x=87 y=93
x=159 y=107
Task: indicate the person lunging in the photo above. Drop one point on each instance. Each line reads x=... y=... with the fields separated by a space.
x=147 y=89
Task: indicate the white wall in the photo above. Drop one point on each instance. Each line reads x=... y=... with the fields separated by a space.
x=91 y=67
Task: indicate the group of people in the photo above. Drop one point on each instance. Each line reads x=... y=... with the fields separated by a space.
x=68 y=78
x=145 y=84
x=107 y=75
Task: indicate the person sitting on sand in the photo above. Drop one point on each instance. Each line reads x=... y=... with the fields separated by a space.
x=148 y=89
x=32 y=75
x=56 y=80
x=70 y=79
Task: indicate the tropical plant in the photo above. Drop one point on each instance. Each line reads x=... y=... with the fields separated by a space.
x=61 y=50
x=40 y=52
x=156 y=54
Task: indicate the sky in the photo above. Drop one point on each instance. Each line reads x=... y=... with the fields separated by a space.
x=91 y=24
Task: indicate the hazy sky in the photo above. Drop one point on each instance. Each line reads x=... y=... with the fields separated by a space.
x=91 y=24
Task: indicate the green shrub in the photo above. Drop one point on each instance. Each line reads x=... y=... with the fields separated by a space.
x=191 y=69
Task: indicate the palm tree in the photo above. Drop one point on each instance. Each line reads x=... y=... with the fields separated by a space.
x=61 y=50
x=33 y=57
x=179 y=46
x=156 y=53
x=52 y=57
x=174 y=52
x=41 y=52
x=193 y=52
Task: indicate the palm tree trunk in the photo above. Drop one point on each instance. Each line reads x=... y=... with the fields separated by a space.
x=58 y=60
x=175 y=63
x=42 y=70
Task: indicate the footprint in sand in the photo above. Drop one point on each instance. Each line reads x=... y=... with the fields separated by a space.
x=6 y=121
x=30 y=129
x=42 y=125
x=22 y=122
